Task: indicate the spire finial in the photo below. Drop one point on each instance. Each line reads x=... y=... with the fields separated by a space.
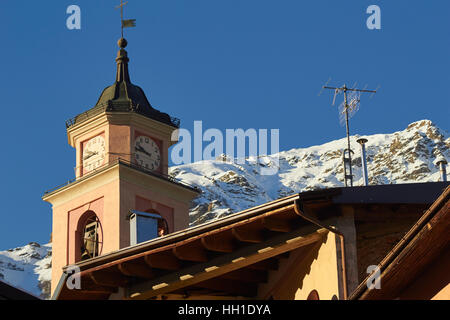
x=125 y=23
x=122 y=43
x=122 y=63
x=122 y=56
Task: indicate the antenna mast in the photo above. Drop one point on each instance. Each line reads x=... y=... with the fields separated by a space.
x=348 y=108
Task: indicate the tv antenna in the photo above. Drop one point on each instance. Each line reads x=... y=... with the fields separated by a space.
x=347 y=110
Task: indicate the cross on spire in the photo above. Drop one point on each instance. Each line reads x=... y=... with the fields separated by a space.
x=125 y=23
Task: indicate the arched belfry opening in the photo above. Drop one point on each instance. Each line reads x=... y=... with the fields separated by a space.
x=90 y=236
x=313 y=295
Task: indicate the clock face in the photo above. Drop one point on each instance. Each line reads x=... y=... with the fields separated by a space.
x=94 y=152
x=147 y=153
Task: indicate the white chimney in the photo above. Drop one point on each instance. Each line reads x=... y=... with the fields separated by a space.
x=362 y=143
x=442 y=164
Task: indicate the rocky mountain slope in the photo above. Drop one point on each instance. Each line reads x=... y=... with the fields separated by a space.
x=402 y=157
x=28 y=268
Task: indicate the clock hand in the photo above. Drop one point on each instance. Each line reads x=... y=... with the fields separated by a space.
x=90 y=154
x=146 y=152
x=141 y=149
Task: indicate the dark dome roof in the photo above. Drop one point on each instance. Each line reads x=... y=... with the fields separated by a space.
x=123 y=96
x=126 y=97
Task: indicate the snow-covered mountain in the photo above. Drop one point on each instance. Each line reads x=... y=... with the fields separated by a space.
x=402 y=157
x=28 y=268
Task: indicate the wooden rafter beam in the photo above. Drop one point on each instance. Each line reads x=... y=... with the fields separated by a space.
x=231 y=287
x=247 y=275
x=108 y=279
x=284 y=255
x=276 y=224
x=226 y=263
x=136 y=269
x=202 y=294
x=88 y=285
x=218 y=243
x=193 y=251
x=269 y=264
x=248 y=235
x=86 y=295
x=164 y=260
x=97 y=290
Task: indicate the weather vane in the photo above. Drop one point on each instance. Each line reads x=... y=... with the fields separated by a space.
x=125 y=23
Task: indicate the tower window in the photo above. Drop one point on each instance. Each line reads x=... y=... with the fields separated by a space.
x=90 y=243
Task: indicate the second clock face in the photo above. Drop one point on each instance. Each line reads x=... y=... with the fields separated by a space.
x=94 y=153
x=147 y=153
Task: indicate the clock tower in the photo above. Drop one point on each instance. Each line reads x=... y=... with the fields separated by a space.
x=121 y=165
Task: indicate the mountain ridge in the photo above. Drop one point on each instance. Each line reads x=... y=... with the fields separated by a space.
x=401 y=157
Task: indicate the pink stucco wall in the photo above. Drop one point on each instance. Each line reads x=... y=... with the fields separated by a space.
x=104 y=201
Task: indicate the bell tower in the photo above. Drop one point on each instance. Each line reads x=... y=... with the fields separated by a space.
x=121 y=165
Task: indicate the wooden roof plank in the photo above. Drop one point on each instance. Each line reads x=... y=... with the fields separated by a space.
x=247 y=275
x=108 y=279
x=269 y=264
x=227 y=262
x=164 y=260
x=136 y=269
x=248 y=235
x=232 y=287
x=192 y=251
x=277 y=224
x=219 y=243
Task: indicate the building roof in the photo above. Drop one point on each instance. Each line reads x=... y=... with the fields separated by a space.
x=123 y=96
x=423 y=243
x=8 y=292
x=245 y=240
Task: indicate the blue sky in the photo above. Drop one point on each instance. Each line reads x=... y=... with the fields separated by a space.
x=231 y=64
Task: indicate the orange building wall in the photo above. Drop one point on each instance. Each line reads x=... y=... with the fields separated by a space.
x=300 y=274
